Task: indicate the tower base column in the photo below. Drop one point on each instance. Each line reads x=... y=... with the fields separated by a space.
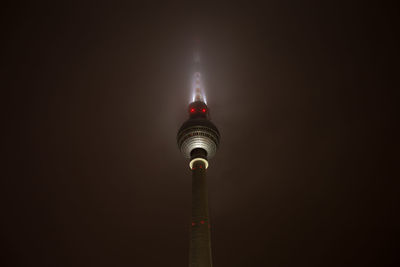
x=200 y=244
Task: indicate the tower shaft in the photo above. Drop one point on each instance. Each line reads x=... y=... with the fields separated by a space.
x=200 y=244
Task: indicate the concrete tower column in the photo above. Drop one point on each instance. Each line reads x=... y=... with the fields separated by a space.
x=200 y=244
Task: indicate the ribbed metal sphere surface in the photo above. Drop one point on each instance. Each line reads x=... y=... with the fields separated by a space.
x=198 y=133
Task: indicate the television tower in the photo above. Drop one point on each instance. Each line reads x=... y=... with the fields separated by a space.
x=198 y=139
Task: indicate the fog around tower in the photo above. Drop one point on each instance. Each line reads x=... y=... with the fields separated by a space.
x=301 y=93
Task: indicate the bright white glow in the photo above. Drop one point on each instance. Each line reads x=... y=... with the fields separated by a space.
x=198 y=93
x=198 y=159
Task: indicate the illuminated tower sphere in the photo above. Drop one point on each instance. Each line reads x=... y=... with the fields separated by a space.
x=198 y=139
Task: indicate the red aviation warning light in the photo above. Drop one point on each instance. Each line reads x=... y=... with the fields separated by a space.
x=198 y=109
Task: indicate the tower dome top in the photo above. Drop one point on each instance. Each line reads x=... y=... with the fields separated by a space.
x=198 y=133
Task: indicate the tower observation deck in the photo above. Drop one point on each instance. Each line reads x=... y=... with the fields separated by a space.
x=198 y=139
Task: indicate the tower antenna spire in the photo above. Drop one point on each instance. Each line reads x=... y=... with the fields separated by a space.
x=198 y=93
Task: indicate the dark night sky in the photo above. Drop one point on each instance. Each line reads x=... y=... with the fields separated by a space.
x=93 y=97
